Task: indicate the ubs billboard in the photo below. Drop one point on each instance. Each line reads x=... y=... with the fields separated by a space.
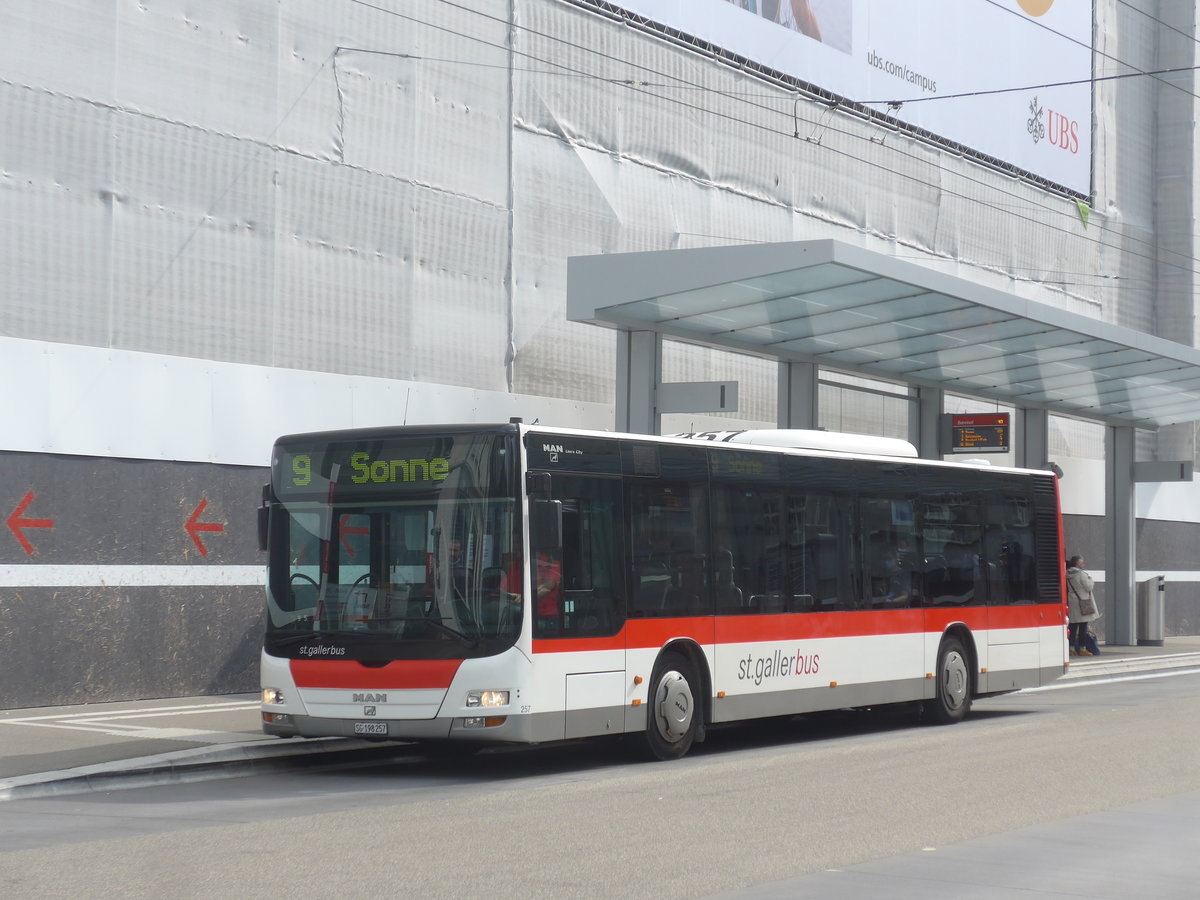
x=1010 y=79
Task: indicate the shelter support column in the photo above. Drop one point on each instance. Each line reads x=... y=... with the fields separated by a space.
x=925 y=421
x=1033 y=439
x=1120 y=511
x=639 y=370
x=797 y=396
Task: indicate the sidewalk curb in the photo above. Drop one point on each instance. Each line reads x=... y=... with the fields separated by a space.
x=1098 y=668
x=187 y=766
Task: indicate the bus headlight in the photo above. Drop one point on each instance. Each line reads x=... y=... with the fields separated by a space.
x=487 y=698
x=272 y=696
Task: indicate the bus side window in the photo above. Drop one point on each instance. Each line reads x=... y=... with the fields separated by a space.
x=749 y=559
x=825 y=558
x=668 y=527
x=822 y=557
x=1008 y=546
x=889 y=538
x=952 y=562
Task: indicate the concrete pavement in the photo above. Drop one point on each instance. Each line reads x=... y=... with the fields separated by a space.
x=104 y=746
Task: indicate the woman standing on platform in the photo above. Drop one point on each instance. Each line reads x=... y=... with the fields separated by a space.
x=1081 y=604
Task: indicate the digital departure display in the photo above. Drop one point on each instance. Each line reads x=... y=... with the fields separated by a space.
x=979 y=432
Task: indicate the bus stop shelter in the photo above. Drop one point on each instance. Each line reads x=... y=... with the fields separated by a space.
x=828 y=304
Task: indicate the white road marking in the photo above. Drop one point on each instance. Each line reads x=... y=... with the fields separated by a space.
x=112 y=722
x=1115 y=679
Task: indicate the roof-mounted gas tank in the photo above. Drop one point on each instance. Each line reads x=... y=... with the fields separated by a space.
x=804 y=439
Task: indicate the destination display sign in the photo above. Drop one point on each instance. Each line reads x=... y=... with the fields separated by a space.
x=979 y=432
x=400 y=464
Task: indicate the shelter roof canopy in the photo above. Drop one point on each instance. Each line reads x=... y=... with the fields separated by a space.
x=857 y=310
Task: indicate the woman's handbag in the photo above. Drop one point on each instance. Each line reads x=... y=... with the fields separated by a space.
x=1087 y=605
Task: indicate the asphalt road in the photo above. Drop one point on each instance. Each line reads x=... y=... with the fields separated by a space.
x=1088 y=789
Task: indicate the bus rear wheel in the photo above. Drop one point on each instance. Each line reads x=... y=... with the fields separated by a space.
x=672 y=719
x=952 y=679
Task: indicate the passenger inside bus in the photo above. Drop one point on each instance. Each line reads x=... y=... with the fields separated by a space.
x=549 y=592
x=896 y=583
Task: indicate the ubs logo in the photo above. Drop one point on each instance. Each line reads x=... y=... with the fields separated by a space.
x=1059 y=130
x=1062 y=131
x=1035 y=126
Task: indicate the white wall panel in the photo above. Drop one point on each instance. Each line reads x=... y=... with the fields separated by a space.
x=214 y=49
x=65 y=398
x=427 y=120
x=192 y=237
x=60 y=46
x=55 y=217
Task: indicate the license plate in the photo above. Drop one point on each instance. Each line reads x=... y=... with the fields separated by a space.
x=370 y=727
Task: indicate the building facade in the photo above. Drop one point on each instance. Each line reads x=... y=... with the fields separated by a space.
x=227 y=221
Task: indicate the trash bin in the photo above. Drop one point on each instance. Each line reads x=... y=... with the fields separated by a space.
x=1151 y=604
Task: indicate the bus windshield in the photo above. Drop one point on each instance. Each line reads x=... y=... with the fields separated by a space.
x=394 y=547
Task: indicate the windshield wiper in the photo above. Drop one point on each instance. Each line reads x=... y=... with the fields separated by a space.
x=285 y=638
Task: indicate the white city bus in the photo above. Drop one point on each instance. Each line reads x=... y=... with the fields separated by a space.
x=516 y=583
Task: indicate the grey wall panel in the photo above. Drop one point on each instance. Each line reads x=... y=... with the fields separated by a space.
x=128 y=512
x=89 y=645
x=68 y=635
x=1084 y=535
x=1162 y=547
x=1165 y=546
x=1181 y=609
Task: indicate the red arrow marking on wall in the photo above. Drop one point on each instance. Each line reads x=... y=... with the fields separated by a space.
x=17 y=521
x=195 y=527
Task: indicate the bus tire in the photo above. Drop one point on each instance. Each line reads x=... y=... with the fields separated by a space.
x=673 y=717
x=952 y=683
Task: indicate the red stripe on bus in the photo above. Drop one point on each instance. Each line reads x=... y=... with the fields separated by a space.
x=415 y=674
x=642 y=633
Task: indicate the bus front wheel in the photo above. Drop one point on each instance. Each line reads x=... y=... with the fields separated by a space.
x=672 y=718
x=952 y=692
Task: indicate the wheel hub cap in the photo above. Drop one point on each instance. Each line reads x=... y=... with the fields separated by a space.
x=674 y=706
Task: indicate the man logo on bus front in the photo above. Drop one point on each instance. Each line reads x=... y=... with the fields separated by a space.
x=368 y=710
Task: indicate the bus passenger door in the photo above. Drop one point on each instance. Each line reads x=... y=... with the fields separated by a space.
x=586 y=608
x=1014 y=624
